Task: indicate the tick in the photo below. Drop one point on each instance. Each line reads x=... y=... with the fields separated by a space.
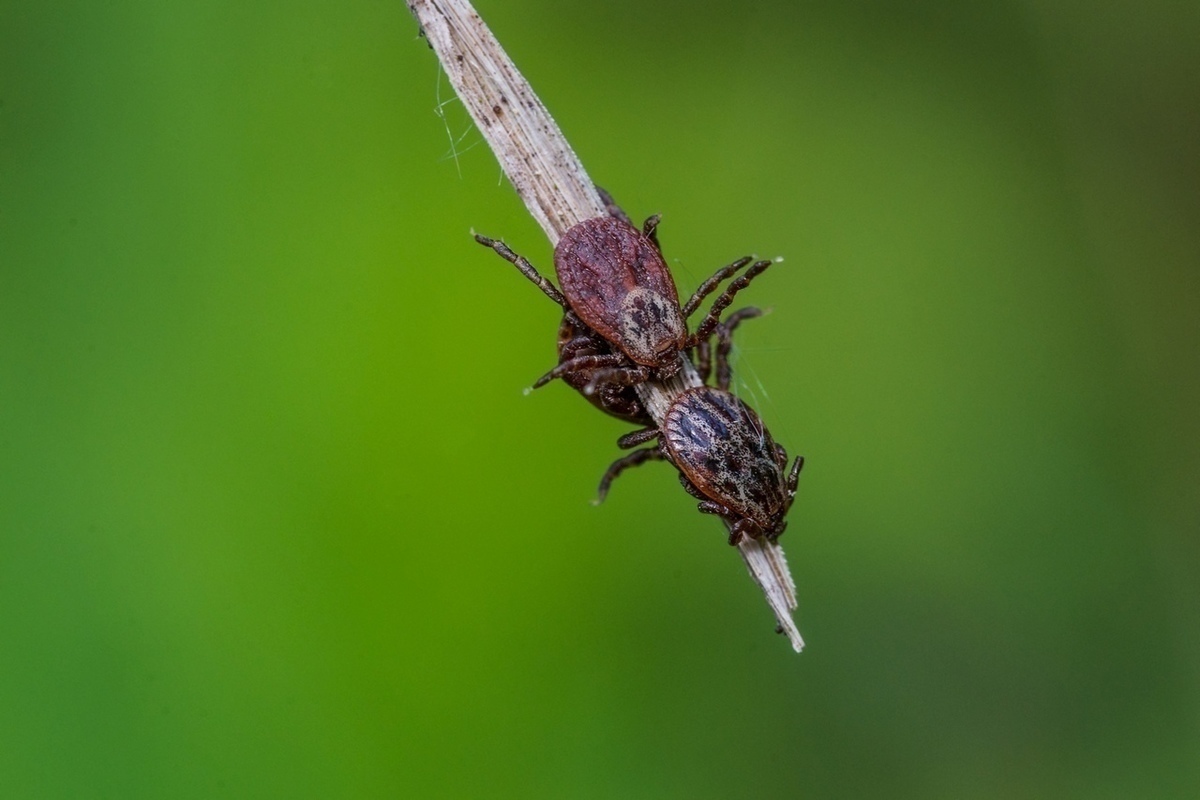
x=726 y=457
x=616 y=283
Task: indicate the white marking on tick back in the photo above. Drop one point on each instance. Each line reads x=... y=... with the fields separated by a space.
x=647 y=319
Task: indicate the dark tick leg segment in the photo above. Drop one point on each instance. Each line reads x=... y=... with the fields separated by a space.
x=612 y=208
x=722 y=302
x=617 y=376
x=780 y=457
x=578 y=364
x=703 y=361
x=650 y=230
x=725 y=343
x=634 y=459
x=638 y=437
x=716 y=509
x=740 y=527
x=706 y=288
x=579 y=346
x=793 y=480
x=724 y=346
x=743 y=527
x=527 y=269
x=690 y=487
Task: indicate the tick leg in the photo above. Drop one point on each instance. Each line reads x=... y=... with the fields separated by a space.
x=793 y=479
x=578 y=364
x=612 y=208
x=722 y=302
x=527 y=269
x=650 y=230
x=743 y=527
x=638 y=437
x=716 y=509
x=690 y=487
x=634 y=459
x=709 y=507
x=617 y=376
x=781 y=456
x=582 y=344
x=724 y=346
x=703 y=361
x=725 y=343
x=706 y=288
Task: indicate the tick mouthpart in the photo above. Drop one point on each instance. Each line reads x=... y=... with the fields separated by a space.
x=671 y=366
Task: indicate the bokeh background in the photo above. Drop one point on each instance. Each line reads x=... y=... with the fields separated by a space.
x=276 y=519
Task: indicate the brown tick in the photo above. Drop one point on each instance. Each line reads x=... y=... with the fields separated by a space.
x=617 y=285
x=578 y=341
x=725 y=455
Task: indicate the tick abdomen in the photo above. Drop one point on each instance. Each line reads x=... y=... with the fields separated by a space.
x=722 y=447
x=617 y=282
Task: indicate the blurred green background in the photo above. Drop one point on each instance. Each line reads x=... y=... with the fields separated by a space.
x=277 y=521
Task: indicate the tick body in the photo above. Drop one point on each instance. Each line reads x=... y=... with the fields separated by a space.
x=616 y=280
x=724 y=451
x=726 y=457
x=616 y=284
